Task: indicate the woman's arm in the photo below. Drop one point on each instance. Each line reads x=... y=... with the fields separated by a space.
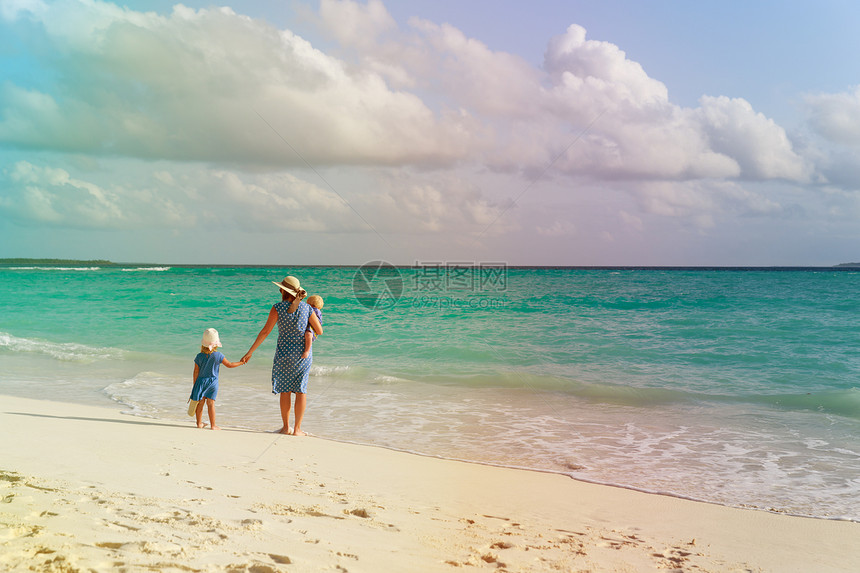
x=314 y=322
x=267 y=328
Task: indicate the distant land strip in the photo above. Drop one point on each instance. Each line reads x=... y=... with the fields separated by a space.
x=94 y=263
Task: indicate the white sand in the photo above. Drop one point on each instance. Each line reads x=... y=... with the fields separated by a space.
x=85 y=488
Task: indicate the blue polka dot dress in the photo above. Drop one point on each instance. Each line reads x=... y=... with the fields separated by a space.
x=289 y=371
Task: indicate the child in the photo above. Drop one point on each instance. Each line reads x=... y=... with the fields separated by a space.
x=316 y=303
x=206 y=365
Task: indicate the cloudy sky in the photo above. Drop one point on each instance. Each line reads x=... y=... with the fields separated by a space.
x=558 y=132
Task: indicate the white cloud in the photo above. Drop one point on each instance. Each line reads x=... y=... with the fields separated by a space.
x=757 y=143
x=275 y=202
x=356 y=24
x=471 y=76
x=213 y=109
x=140 y=195
x=218 y=86
x=422 y=203
x=557 y=229
x=12 y=9
x=836 y=117
x=668 y=146
x=600 y=72
x=703 y=201
x=670 y=199
x=51 y=196
x=194 y=85
x=842 y=169
x=639 y=133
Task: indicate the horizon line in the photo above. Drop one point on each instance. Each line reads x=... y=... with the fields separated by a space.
x=418 y=264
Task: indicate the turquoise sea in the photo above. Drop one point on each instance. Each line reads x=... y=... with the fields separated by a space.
x=733 y=386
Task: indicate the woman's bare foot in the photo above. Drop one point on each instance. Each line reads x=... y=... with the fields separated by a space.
x=216 y=427
x=285 y=430
x=298 y=433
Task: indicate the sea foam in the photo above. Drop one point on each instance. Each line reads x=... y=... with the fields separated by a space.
x=65 y=351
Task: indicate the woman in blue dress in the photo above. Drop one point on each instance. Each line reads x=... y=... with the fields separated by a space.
x=289 y=371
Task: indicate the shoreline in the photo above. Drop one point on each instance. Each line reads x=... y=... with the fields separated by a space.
x=90 y=487
x=130 y=409
x=568 y=476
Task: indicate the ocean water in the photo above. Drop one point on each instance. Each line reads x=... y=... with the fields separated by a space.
x=731 y=386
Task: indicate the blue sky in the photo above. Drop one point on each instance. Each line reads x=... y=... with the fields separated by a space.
x=338 y=132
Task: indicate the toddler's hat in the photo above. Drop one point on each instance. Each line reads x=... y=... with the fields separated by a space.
x=210 y=339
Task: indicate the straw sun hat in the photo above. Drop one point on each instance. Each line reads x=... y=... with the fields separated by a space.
x=291 y=285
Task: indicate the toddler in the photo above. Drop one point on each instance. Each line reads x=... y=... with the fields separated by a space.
x=316 y=303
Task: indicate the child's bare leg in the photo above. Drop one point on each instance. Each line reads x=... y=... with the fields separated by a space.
x=309 y=339
x=285 y=413
x=198 y=413
x=301 y=402
x=210 y=404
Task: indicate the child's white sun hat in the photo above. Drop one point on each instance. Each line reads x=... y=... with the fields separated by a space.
x=210 y=339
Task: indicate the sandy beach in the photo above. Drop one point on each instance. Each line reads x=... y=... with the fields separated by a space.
x=91 y=489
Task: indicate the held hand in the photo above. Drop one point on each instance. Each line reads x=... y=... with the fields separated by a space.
x=246 y=358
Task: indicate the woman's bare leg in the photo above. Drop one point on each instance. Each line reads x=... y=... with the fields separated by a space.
x=285 y=412
x=301 y=402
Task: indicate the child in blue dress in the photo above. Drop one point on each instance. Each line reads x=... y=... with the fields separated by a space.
x=206 y=365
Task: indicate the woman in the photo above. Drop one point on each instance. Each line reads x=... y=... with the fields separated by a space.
x=290 y=371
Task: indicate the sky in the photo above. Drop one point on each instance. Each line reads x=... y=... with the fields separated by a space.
x=549 y=132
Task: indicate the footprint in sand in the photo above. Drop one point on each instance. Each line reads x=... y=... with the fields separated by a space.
x=494 y=559
x=21 y=531
x=254 y=566
x=348 y=555
x=11 y=477
x=206 y=487
x=280 y=559
x=122 y=525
